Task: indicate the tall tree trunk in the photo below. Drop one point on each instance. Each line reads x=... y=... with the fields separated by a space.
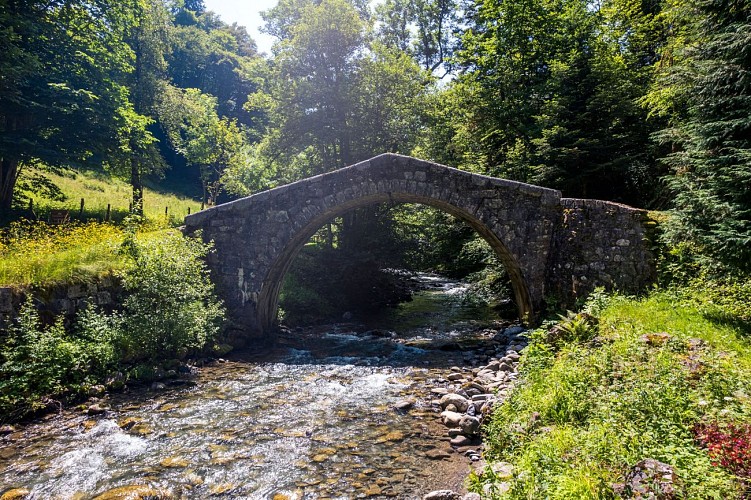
x=8 y=178
x=135 y=182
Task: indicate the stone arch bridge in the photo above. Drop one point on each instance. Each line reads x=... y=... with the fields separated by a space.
x=553 y=248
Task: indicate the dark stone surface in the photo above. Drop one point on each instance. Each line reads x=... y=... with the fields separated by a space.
x=547 y=245
x=63 y=299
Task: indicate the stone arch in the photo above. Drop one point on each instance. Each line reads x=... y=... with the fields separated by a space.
x=268 y=298
x=256 y=238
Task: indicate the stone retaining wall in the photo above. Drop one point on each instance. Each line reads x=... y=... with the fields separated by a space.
x=66 y=299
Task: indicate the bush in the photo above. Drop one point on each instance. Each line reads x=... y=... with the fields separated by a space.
x=39 y=363
x=170 y=309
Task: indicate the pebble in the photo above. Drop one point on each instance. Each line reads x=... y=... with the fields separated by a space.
x=442 y=495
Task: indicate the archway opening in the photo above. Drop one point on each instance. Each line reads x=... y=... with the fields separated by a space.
x=355 y=260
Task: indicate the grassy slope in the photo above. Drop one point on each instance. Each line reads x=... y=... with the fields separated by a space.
x=45 y=254
x=100 y=190
x=585 y=411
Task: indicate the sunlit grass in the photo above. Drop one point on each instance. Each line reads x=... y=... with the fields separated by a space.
x=98 y=191
x=39 y=253
x=585 y=412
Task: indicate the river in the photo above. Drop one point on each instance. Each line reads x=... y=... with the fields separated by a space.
x=341 y=411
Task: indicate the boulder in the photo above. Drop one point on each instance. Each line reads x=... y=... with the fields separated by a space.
x=460 y=402
x=469 y=425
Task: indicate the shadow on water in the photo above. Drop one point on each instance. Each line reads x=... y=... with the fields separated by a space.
x=440 y=327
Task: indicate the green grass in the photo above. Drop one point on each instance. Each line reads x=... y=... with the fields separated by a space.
x=588 y=408
x=99 y=190
x=42 y=254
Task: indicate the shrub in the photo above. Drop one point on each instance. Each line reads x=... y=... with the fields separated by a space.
x=170 y=309
x=38 y=363
x=729 y=445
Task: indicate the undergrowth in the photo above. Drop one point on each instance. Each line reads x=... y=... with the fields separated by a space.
x=627 y=380
x=169 y=311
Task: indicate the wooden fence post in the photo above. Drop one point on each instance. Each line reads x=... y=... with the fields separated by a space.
x=80 y=212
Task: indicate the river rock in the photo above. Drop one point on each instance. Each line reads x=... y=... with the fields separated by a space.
x=404 y=405
x=134 y=492
x=514 y=331
x=512 y=356
x=469 y=425
x=6 y=429
x=436 y=454
x=453 y=377
x=96 y=409
x=96 y=390
x=440 y=391
x=505 y=367
x=460 y=402
x=451 y=418
x=460 y=440
x=493 y=365
x=455 y=431
x=451 y=407
x=481 y=397
x=649 y=478
x=442 y=495
x=472 y=496
x=480 y=387
x=15 y=494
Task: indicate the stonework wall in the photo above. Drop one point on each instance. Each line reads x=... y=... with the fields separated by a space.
x=599 y=244
x=65 y=299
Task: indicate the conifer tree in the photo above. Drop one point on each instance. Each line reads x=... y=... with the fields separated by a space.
x=712 y=180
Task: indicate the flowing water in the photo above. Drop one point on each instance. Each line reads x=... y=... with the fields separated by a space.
x=314 y=417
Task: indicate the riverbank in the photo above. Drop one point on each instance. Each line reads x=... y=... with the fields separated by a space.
x=634 y=397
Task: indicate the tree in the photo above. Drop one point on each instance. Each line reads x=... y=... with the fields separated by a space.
x=61 y=68
x=310 y=90
x=712 y=163
x=148 y=40
x=215 y=145
x=425 y=29
x=549 y=95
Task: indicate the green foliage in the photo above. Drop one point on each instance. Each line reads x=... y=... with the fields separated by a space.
x=63 y=66
x=582 y=414
x=38 y=362
x=38 y=253
x=170 y=309
x=551 y=96
x=711 y=142
x=99 y=190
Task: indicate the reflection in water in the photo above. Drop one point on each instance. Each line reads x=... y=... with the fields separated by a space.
x=313 y=417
